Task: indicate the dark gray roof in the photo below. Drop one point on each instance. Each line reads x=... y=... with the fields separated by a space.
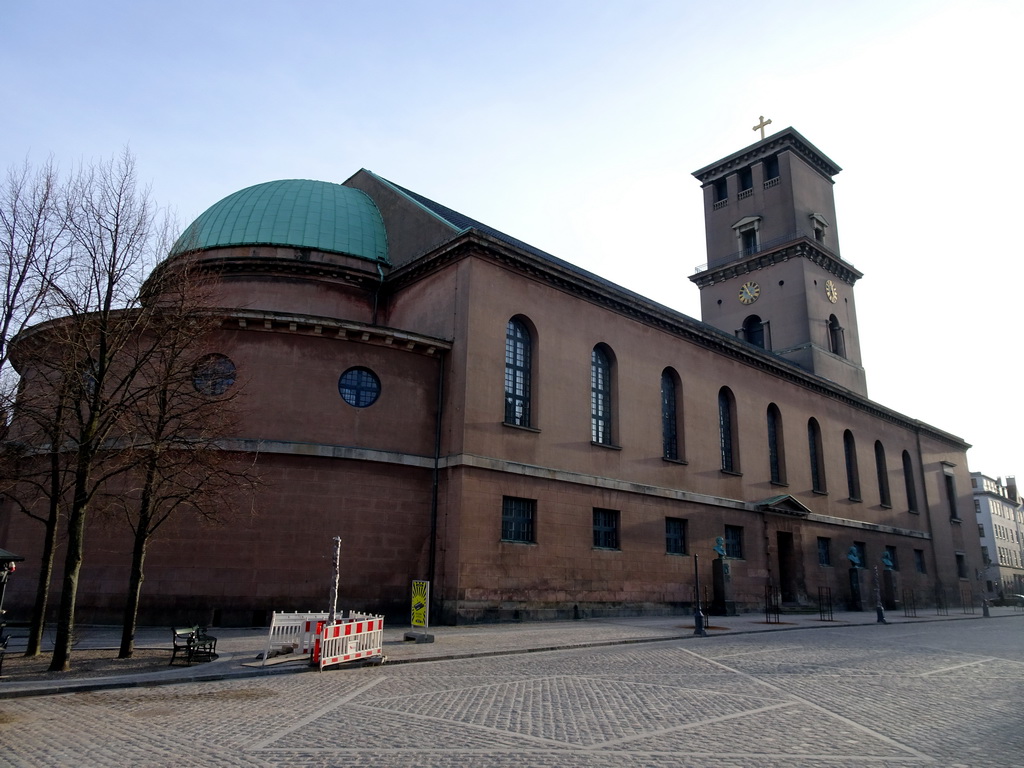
x=464 y=223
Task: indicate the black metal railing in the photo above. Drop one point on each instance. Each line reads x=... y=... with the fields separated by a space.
x=772 y=607
x=909 y=604
x=966 y=599
x=941 y=604
x=825 y=604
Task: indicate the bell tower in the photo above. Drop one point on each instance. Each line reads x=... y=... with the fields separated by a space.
x=775 y=277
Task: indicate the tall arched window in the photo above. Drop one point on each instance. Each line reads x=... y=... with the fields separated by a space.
x=728 y=437
x=908 y=480
x=753 y=331
x=776 y=452
x=671 y=413
x=883 y=475
x=601 y=396
x=836 y=339
x=852 y=472
x=816 y=456
x=518 y=372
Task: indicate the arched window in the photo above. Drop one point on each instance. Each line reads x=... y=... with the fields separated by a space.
x=776 y=452
x=671 y=416
x=753 y=331
x=836 y=339
x=908 y=480
x=816 y=456
x=518 y=372
x=601 y=395
x=852 y=472
x=727 y=431
x=883 y=475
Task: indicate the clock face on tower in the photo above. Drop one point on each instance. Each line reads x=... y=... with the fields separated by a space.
x=749 y=292
x=832 y=291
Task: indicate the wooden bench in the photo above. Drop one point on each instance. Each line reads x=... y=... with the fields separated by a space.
x=193 y=643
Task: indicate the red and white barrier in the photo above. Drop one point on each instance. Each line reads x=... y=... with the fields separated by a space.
x=358 y=637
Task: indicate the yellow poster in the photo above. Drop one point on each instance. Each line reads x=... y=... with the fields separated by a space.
x=421 y=604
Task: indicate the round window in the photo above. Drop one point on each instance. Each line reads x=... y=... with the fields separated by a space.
x=213 y=374
x=359 y=387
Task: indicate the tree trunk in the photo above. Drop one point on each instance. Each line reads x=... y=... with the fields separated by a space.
x=35 y=631
x=61 y=661
x=131 y=603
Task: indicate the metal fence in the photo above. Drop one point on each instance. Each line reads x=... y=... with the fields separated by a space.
x=825 y=604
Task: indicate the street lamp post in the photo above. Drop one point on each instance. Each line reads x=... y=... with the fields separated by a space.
x=698 y=617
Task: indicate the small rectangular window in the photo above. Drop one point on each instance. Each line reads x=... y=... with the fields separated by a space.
x=824 y=551
x=517 y=519
x=771 y=167
x=734 y=541
x=746 y=179
x=748 y=238
x=606 y=528
x=919 y=561
x=675 y=536
x=961 y=565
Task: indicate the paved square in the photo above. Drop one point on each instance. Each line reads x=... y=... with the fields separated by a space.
x=936 y=693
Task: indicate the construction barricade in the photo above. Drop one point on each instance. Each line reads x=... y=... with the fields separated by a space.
x=297 y=631
x=360 y=636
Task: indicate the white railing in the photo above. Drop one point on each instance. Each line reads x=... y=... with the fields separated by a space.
x=297 y=630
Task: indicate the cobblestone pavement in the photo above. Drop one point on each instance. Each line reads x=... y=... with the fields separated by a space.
x=939 y=693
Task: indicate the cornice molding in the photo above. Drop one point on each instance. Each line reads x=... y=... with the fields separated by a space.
x=787 y=138
x=301 y=267
x=803 y=248
x=325 y=327
x=492 y=464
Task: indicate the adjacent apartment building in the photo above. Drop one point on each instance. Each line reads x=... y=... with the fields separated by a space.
x=999 y=510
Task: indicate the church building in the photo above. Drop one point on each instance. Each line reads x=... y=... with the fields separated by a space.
x=538 y=442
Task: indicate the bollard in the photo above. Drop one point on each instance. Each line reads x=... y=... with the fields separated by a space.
x=880 y=613
x=698 y=623
x=984 y=609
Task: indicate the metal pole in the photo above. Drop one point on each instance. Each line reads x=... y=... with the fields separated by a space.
x=334 y=584
x=879 y=608
x=698 y=617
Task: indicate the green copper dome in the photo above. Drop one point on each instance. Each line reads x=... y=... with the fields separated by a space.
x=294 y=213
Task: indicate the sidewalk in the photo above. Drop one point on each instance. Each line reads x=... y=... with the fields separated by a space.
x=240 y=649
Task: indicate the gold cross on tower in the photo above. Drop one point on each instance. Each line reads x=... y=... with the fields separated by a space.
x=762 y=125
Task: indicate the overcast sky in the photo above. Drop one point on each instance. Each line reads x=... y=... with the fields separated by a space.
x=575 y=125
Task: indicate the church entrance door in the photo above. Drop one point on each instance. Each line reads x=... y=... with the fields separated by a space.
x=788 y=570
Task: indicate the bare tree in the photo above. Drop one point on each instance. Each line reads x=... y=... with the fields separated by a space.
x=186 y=402
x=34 y=256
x=84 y=363
x=34 y=248
x=118 y=409
x=37 y=479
